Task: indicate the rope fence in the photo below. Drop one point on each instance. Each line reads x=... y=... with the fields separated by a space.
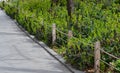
x=109 y=54
x=61 y=39
x=97 y=48
x=98 y=59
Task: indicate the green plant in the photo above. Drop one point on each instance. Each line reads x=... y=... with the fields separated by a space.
x=117 y=65
x=92 y=20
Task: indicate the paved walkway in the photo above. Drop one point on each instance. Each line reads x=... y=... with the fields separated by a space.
x=19 y=54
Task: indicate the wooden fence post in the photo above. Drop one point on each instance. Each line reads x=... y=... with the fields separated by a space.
x=70 y=34
x=53 y=34
x=97 y=57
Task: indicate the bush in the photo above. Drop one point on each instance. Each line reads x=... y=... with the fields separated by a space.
x=92 y=20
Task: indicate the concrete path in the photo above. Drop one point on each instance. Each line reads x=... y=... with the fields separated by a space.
x=19 y=54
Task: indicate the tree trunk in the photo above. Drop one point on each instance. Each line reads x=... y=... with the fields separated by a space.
x=70 y=7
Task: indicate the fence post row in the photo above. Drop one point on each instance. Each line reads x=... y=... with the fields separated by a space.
x=97 y=57
x=53 y=34
x=96 y=48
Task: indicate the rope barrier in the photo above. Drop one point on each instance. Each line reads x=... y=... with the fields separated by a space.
x=72 y=37
x=109 y=54
x=58 y=44
x=62 y=32
x=109 y=65
x=88 y=44
x=62 y=39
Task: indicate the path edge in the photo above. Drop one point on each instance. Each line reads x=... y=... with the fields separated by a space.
x=46 y=48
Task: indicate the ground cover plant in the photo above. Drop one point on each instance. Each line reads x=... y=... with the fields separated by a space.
x=90 y=21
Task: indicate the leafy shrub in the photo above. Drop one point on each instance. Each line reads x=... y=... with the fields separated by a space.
x=92 y=20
